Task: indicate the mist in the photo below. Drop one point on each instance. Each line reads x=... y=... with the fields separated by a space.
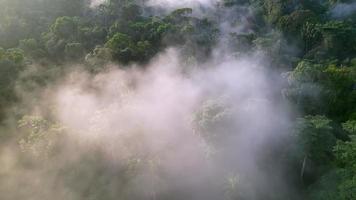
x=95 y=3
x=198 y=134
x=166 y=129
x=171 y=4
x=342 y=10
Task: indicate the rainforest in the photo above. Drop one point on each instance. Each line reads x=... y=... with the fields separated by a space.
x=177 y=100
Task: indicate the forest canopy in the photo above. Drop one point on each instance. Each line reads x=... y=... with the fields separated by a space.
x=130 y=99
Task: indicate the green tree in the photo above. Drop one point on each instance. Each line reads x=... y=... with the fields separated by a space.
x=315 y=137
x=11 y=63
x=74 y=51
x=322 y=89
x=339 y=39
x=121 y=46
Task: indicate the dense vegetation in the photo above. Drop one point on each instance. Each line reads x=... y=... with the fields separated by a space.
x=313 y=49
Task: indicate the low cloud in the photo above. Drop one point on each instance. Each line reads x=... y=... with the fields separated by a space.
x=342 y=10
x=202 y=134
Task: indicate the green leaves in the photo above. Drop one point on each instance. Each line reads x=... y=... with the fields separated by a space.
x=339 y=38
x=13 y=55
x=293 y=23
x=350 y=127
x=311 y=35
x=11 y=63
x=65 y=27
x=319 y=122
x=340 y=183
x=74 y=50
x=122 y=47
x=316 y=138
x=322 y=89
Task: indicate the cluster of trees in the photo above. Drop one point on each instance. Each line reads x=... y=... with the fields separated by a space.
x=322 y=87
x=49 y=34
x=316 y=51
x=57 y=33
x=11 y=63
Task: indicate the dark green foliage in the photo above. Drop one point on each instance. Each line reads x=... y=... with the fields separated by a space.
x=339 y=39
x=65 y=28
x=311 y=35
x=122 y=47
x=323 y=89
x=139 y=40
x=292 y=24
x=340 y=182
x=74 y=50
x=315 y=138
x=315 y=50
x=11 y=63
x=28 y=19
x=32 y=48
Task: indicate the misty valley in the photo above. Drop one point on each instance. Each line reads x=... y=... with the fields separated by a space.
x=177 y=100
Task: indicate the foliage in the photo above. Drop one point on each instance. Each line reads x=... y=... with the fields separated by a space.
x=339 y=38
x=293 y=23
x=11 y=63
x=316 y=138
x=316 y=52
x=322 y=89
